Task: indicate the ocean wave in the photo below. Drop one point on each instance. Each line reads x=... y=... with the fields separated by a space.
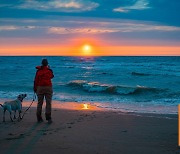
x=139 y=74
x=13 y=94
x=105 y=73
x=113 y=89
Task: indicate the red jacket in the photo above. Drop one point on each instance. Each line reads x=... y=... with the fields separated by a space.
x=43 y=77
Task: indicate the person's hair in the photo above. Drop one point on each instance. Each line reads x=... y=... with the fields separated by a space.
x=44 y=62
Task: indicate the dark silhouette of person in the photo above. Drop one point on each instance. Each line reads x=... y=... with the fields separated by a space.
x=43 y=89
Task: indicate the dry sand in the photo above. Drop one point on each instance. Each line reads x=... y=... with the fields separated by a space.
x=91 y=131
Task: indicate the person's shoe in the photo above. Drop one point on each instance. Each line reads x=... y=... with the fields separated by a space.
x=40 y=120
x=50 y=121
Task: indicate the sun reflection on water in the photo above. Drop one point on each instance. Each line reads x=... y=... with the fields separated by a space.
x=68 y=105
x=85 y=106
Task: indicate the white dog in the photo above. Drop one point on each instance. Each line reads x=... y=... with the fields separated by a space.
x=13 y=106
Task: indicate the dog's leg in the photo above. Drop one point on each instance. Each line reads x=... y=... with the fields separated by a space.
x=11 y=116
x=19 y=115
x=15 y=114
x=4 y=115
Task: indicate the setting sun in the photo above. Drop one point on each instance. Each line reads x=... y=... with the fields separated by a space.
x=86 y=49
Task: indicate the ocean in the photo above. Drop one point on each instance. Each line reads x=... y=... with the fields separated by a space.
x=130 y=84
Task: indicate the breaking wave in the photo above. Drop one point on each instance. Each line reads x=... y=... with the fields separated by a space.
x=112 y=89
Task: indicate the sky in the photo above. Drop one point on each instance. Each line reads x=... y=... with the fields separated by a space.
x=108 y=27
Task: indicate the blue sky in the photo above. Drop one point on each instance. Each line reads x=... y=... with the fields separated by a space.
x=113 y=22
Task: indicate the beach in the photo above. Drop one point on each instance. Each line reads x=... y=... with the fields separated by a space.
x=101 y=105
x=110 y=70
x=91 y=131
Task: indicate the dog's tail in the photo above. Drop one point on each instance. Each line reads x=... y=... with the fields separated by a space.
x=1 y=105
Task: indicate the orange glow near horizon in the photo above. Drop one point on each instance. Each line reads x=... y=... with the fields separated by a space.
x=89 y=50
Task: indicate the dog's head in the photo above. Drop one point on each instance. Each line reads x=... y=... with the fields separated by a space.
x=21 y=97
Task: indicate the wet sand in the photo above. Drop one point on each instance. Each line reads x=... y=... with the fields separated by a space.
x=85 y=131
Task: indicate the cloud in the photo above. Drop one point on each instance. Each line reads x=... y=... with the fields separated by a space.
x=13 y=28
x=84 y=26
x=64 y=30
x=8 y=28
x=59 y=5
x=112 y=28
x=138 y=5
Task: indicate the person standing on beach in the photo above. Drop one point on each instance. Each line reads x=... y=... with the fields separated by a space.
x=43 y=88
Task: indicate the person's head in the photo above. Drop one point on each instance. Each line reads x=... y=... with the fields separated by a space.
x=44 y=62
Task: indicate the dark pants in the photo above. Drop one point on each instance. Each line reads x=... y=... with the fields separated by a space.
x=44 y=91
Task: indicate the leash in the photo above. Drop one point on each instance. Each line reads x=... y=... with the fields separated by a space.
x=34 y=98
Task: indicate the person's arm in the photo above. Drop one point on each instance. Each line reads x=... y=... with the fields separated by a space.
x=52 y=75
x=35 y=82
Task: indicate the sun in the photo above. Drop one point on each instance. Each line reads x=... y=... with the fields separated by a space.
x=87 y=49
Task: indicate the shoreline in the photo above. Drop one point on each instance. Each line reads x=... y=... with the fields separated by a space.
x=90 y=131
x=95 y=106
x=89 y=106
x=121 y=106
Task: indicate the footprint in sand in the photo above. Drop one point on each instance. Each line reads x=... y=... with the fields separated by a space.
x=58 y=129
x=16 y=137
x=71 y=123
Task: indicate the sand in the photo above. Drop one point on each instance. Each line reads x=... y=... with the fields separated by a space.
x=90 y=131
